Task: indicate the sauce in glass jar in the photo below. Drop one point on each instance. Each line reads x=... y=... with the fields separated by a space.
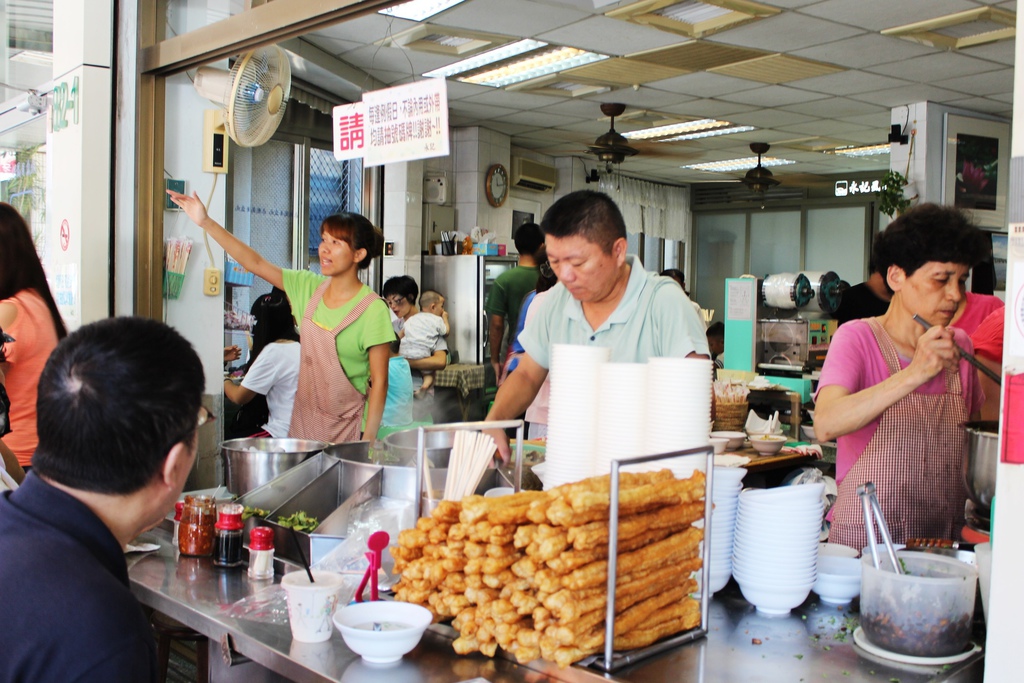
x=196 y=531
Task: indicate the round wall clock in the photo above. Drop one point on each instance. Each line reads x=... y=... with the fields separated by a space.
x=496 y=185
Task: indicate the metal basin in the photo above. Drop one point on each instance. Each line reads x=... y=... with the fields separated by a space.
x=251 y=463
x=402 y=446
x=981 y=461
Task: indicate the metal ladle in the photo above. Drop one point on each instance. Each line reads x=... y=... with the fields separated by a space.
x=869 y=501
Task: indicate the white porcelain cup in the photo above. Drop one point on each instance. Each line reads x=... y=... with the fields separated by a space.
x=311 y=605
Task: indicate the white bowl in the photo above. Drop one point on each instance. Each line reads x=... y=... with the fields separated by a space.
x=718 y=443
x=735 y=439
x=838 y=579
x=836 y=549
x=767 y=444
x=729 y=476
x=402 y=625
x=499 y=491
x=808 y=432
x=773 y=601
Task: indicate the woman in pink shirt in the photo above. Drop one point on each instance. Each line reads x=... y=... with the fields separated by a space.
x=29 y=314
x=894 y=395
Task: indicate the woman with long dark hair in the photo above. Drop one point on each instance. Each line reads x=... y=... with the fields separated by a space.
x=346 y=328
x=272 y=373
x=29 y=314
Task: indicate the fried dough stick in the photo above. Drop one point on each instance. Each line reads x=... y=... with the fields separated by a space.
x=675 y=517
x=581 y=507
x=681 y=548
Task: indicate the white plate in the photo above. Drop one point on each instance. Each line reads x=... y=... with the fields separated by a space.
x=862 y=642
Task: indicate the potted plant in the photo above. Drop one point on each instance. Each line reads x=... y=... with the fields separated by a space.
x=891 y=198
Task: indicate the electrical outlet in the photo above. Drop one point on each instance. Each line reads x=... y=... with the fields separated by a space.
x=212 y=277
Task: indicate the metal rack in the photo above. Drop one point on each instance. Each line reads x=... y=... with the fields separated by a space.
x=421 y=459
x=613 y=661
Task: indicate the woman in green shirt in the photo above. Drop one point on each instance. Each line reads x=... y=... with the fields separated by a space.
x=346 y=328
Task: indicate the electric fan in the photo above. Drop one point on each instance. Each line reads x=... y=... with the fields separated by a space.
x=253 y=94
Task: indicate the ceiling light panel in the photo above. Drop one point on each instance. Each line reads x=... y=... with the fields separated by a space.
x=622 y=71
x=676 y=129
x=709 y=133
x=533 y=66
x=961 y=30
x=777 y=68
x=486 y=58
x=733 y=165
x=418 y=10
x=862 y=150
x=692 y=18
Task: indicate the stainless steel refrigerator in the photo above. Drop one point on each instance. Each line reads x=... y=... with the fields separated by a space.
x=464 y=282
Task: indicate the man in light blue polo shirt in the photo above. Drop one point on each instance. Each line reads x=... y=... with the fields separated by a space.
x=603 y=298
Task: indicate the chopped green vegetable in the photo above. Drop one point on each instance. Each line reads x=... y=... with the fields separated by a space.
x=799 y=656
x=248 y=512
x=827 y=648
x=299 y=521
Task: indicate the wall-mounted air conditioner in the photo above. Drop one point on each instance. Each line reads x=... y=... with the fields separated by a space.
x=533 y=175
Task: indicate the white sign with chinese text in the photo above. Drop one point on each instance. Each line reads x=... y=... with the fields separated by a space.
x=402 y=123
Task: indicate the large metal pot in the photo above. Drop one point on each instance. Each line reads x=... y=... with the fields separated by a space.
x=981 y=461
x=438 y=446
x=251 y=463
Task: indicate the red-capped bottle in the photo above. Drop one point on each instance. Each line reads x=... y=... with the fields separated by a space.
x=227 y=545
x=261 y=553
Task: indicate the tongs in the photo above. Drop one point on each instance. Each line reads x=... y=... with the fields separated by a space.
x=869 y=501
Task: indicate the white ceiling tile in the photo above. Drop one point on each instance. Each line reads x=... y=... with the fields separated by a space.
x=876 y=15
x=834 y=107
x=864 y=50
x=823 y=127
x=879 y=119
x=704 y=84
x=773 y=96
x=395 y=59
x=1001 y=52
x=457 y=90
x=515 y=100
x=367 y=28
x=897 y=97
x=845 y=83
x=709 y=109
x=480 y=111
x=610 y=36
x=334 y=46
x=519 y=17
x=533 y=118
x=785 y=32
x=644 y=98
x=769 y=118
x=982 y=104
x=989 y=83
x=935 y=67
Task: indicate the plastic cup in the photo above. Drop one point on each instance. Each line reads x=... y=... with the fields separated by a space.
x=311 y=605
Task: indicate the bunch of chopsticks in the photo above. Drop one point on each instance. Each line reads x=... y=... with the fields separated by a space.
x=176 y=253
x=448 y=238
x=471 y=453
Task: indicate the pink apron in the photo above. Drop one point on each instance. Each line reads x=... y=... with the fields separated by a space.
x=914 y=460
x=327 y=406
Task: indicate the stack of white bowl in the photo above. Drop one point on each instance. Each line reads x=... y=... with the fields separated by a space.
x=725 y=490
x=620 y=410
x=575 y=395
x=678 y=409
x=775 y=548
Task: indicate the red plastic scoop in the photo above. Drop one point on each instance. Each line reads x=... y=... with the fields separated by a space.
x=377 y=542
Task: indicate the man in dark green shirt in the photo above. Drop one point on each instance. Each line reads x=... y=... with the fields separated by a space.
x=509 y=288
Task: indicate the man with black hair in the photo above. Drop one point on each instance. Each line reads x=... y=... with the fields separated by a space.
x=509 y=289
x=117 y=438
x=603 y=298
x=866 y=300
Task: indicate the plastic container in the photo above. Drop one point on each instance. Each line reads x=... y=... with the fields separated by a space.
x=925 y=612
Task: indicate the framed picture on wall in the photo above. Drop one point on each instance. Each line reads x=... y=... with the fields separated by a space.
x=976 y=168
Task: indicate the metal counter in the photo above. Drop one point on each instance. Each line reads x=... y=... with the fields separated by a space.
x=742 y=645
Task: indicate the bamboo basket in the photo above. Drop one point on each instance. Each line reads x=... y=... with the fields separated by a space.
x=731 y=417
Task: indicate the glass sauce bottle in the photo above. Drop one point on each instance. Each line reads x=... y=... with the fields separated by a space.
x=227 y=546
x=195 y=532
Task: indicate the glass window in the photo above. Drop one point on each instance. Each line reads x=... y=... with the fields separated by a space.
x=774 y=242
x=721 y=253
x=333 y=186
x=653 y=256
x=23 y=174
x=28 y=46
x=837 y=241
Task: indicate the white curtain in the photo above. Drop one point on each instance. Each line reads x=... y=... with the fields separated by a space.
x=653 y=209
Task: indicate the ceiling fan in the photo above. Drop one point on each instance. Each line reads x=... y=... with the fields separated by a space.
x=759 y=179
x=612 y=147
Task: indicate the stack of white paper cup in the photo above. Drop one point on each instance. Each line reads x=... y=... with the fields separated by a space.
x=621 y=413
x=678 y=409
x=575 y=393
